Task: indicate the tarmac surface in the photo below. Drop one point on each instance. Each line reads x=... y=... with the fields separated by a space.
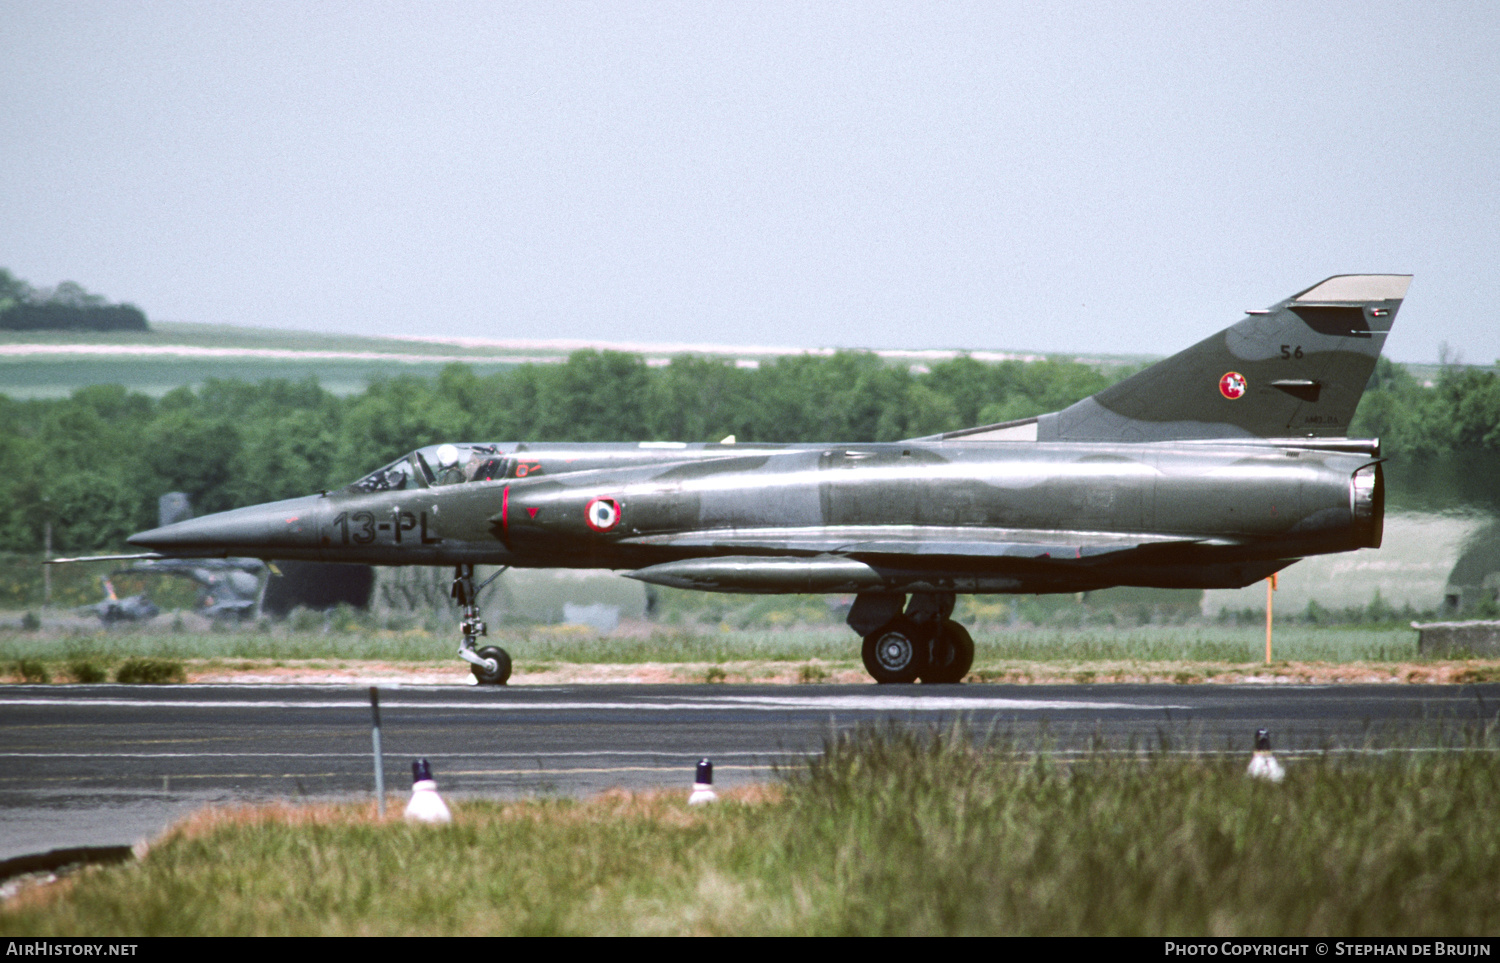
x=96 y=765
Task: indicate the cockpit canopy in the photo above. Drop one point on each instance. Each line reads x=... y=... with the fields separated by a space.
x=445 y=464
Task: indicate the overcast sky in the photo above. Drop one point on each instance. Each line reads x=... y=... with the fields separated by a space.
x=1067 y=177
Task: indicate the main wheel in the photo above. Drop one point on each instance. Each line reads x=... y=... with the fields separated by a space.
x=501 y=672
x=952 y=654
x=895 y=652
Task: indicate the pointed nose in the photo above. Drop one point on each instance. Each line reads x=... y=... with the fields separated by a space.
x=287 y=529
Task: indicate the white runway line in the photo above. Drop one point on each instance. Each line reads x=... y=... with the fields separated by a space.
x=192 y=351
x=365 y=754
x=928 y=703
x=707 y=704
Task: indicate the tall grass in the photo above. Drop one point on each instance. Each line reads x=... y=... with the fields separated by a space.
x=884 y=833
x=1200 y=643
x=569 y=645
x=981 y=842
x=543 y=645
x=115 y=645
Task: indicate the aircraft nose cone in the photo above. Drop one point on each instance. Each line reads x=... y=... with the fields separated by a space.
x=287 y=529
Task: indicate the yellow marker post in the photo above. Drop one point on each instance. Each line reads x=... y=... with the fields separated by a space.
x=1270 y=587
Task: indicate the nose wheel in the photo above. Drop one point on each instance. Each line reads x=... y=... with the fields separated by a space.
x=491 y=664
x=496 y=657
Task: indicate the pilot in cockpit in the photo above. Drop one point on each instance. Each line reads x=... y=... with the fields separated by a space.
x=449 y=472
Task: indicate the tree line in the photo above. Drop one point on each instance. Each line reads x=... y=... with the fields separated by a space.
x=67 y=307
x=94 y=464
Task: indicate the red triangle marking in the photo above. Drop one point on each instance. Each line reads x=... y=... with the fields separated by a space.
x=532 y=512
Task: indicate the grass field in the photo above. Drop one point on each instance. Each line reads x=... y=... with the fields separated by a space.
x=228 y=336
x=576 y=644
x=1183 y=654
x=58 y=375
x=144 y=364
x=884 y=834
x=59 y=378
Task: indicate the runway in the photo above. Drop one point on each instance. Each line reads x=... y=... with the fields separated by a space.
x=108 y=764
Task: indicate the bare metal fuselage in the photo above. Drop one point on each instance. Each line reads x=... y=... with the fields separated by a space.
x=916 y=516
x=1212 y=468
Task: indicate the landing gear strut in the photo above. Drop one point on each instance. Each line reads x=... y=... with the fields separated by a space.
x=920 y=643
x=491 y=664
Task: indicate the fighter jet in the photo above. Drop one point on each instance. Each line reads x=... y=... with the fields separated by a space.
x=228 y=588
x=1211 y=469
x=132 y=608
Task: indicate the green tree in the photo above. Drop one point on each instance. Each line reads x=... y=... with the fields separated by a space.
x=595 y=396
x=286 y=454
x=191 y=454
x=12 y=290
x=390 y=419
x=700 y=399
x=1471 y=399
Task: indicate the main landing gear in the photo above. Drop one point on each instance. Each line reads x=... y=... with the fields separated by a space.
x=491 y=664
x=920 y=643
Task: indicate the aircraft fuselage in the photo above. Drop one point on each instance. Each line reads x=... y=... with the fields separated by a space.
x=1213 y=468
x=907 y=516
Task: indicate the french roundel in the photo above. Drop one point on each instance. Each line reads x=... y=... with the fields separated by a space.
x=1233 y=385
x=602 y=514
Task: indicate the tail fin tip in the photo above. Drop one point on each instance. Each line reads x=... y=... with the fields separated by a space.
x=1356 y=288
x=1296 y=370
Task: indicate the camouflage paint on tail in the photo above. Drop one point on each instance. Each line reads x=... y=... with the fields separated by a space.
x=1296 y=370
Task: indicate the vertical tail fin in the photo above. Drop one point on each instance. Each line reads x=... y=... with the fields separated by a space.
x=1295 y=370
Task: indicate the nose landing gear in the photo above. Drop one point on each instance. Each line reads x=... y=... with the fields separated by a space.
x=920 y=643
x=491 y=664
x=495 y=669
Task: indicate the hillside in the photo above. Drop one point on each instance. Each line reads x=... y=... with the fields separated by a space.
x=38 y=364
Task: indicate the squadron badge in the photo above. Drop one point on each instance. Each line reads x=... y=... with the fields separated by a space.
x=1233 y=385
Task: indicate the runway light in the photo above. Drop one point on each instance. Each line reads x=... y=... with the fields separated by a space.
x=426 y=806
x=1263 y=765
x=703 y=784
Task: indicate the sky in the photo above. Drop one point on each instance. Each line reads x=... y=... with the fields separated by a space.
x=1114 y=178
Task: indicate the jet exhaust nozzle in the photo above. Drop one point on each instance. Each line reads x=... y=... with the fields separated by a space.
x=1367 y=503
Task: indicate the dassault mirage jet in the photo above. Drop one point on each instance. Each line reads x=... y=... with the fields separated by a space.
x=1211 y=469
